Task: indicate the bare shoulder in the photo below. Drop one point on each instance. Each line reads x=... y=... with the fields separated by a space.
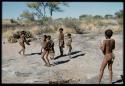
x=104 y=41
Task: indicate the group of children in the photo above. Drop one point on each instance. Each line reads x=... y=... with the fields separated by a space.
x=47 y=50
x=48 y=47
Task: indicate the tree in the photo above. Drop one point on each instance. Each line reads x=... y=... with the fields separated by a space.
x=108 y=16
x=37 y=9
x=27 y=15
x=12 y=21
x=98 y=16
x=54 y=7
x=84 y=16
x=119 y=14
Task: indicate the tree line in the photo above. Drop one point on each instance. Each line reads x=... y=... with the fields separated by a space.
x=118 y=14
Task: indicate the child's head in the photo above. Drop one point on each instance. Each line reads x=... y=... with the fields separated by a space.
x=69 y=35
x=61 y=30
x=48 y=37
x=108 y=33
x=22 y=33
x=45 y=36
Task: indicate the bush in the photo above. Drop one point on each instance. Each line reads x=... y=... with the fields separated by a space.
x=13 y=38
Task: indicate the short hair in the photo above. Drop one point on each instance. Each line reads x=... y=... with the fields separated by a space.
x=69 y=34
x=49 y=37
x=45 y=36
x=109 y=33
x=22 y=32
x=61 y=29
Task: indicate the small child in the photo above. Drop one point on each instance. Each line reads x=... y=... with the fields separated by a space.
x=61 y=41
x=22 y=41
x=107 y=48
x=44 y=50
x=44 y=41
x=68 y=44
x=50 y=50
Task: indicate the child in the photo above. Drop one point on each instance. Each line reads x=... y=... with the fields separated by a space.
x=107 y=48
x=50 y=50
x=61 y=41
x=43 y=50
x=68 y=44
x=22 y=41
x=44 y=41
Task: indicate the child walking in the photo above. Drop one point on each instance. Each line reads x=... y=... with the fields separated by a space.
x=68 y=44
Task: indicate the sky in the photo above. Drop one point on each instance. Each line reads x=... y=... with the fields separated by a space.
x=75 y=9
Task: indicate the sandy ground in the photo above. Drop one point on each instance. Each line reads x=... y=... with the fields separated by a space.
x=83 y=68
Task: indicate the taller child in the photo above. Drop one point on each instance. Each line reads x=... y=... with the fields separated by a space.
x=61 y=41
x=107 y=48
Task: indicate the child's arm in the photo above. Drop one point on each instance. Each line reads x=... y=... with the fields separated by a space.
x=102 y=47
x=113 y=44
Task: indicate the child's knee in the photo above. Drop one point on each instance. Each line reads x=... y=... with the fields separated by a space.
x=101 y=70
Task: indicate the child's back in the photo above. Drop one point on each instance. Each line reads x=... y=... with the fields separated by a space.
x=109 y=45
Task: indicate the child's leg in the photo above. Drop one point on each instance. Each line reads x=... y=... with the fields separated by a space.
x=110 y=71
x=104 y=63
x=24 y=50
x=21 y=49
x=42 y=56
x=69 y=52
x=61 y=50
x=47 y=58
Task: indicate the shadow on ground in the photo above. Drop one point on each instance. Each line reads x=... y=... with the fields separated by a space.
x=33 y=54
x=118 y=81
x=78 y=55
x=72 y=53
x=61 y=62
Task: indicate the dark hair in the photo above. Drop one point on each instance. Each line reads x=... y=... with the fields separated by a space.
x=22 y=32
x=69 y=34
x=49 y=37
x=45 y=37
x=61 y=29
x=109 y=33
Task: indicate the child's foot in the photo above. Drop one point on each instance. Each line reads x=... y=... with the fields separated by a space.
x=52 y=64
x=49 y=65
x=45 y=64
x=19 y=53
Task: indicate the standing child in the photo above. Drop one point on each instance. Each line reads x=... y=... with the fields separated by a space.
x=44 y=41
x=50 y=50
x=107 y=48
x=44 y=50
x=61 y=41
x=68 y=44
x=22 y=41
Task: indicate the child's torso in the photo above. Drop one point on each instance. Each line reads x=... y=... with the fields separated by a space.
x=109 y=46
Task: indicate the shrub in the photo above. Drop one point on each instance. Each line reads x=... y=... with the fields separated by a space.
x=13 y=38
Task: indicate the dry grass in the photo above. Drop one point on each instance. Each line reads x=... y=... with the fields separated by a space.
x=91 y=25
x=8 y=33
